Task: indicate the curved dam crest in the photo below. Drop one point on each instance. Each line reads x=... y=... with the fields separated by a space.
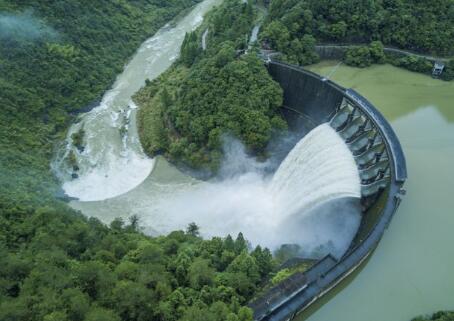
x=382 y=171
x=334 y=194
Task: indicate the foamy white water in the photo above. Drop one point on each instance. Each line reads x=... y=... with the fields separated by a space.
x=305 y=202
x=311 y=200
x=319 y=168
x=113 y=161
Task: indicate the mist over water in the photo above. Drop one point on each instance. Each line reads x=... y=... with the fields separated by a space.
x=311 y=200
x=307 y=197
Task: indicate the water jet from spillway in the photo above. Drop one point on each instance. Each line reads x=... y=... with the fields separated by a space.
x=320 y=168
x=307 y=201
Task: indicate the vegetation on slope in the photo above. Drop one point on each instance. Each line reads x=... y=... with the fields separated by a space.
x=293 y=27
x=55 y=59
x=57 y=267
x=185 y=113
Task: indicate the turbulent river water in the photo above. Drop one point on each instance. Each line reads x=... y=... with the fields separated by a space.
x=411 y=272
x=116 y=179
x=113 y=162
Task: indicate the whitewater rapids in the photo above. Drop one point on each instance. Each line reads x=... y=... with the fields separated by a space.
x=113 y=161
x=312 y=199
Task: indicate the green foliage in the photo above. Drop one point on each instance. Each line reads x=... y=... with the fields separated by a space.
x=281 y=275
x=286 y=252
x=190 y=49
x=185 y=113
x=78 y=139
x=413 y=63
x=377 y=53
x=438 y=316
x=55 y=265
x=358 y=57
x=448 y=73
x=69 y=56
x=192 y=229
x=406 y=24
x=296 y=50
x=364 y=56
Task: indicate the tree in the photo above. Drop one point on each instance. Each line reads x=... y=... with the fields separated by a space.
x=448 y=73
x=358 y=57
x=101 y=314
x=76 y=304
x=95 y=279
x=200 y=273
x=264 y=260
x=240 y=244
x=190 y=48
x=245 y=263
x=376 y=52
x=192 y=229
x=133 y=301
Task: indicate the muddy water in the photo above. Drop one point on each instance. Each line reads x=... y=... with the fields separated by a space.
x=113 y=162
x=411 y=272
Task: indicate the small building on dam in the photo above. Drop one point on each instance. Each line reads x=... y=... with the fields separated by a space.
x=311 y=100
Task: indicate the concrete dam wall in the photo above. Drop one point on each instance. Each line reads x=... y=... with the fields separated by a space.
x=310 y=100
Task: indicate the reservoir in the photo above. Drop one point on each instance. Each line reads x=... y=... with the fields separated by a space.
x=410 y=273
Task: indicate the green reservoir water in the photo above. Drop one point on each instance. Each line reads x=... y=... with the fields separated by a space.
x=412 y=270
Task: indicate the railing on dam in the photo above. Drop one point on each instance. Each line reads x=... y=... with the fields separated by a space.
x=310 y=100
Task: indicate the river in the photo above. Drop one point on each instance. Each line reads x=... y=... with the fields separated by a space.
x=411 y=271
x=113 y=162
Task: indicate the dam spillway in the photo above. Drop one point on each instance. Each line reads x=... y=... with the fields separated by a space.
x=311 y=100
x=320 y=168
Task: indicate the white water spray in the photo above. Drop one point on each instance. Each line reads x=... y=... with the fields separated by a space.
x=320 y=168
x=113 y=161
x=303 y=203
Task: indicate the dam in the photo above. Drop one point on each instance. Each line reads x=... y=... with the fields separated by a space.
x=313 y=107
x=309 y=101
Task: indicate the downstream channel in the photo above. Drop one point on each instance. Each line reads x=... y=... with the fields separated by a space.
x=113 y=157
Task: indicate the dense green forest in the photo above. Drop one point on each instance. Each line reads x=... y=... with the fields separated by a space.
x=294 y=27
x=57 y=58
x=55 y=267
x=208 y=94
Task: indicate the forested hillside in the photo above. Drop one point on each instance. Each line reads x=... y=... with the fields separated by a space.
x=59 y=267
x=57 y=58
x=208 y=94
x=293 y=27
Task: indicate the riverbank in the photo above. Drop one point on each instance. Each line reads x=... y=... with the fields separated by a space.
x=113 y=156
